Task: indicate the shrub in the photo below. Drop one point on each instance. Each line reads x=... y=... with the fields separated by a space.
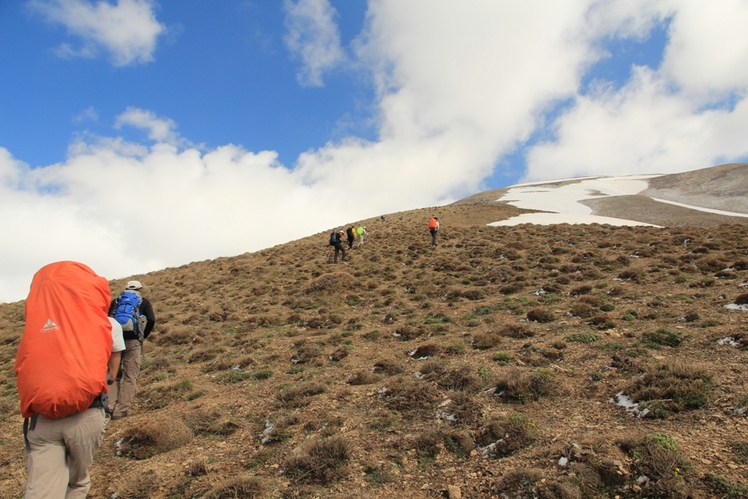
x=244 y=487
x=590 y=300
x=407 y=333
x=741 y=450
x=204 y=421
x=484 y=341
x=519 y=386
x=362 y=378
x=518 y=331
x=455 y=349
x=409 y=397
x=155 y=437
x=387 y=366
x=582 y=338
x=503 y=437
x=233 y=376
x=661 y=337
x=321 y=461
x=581 y=310
x=138 y=485
x=298 y=396
x=425 y=351
x=602 y=322
x=540 y=315
x=458 y=380
x=670 y=388
x=502 y=358
x=459 y=443
x=725 y=487
x=657 y=458
x=520 y=482
x=581 y=290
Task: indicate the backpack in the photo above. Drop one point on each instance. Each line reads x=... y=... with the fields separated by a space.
x=359 y=231
x=61 y=364
x=333 y=238
x=127 y=310
x=432 y=223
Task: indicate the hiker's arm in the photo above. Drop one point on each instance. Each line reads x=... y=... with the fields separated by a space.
x=147 y=309
x=114 y=361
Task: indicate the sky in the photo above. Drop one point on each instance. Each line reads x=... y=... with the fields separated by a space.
x=137 y=135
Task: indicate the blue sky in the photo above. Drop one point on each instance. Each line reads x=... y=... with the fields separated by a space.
x=140 y=134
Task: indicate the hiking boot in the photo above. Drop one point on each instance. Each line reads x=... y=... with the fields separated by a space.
x=118 y=416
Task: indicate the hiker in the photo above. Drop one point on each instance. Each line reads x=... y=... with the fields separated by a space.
x=336 y=240
x=63 y=368
x=433 y=228
x=360 y=232
x=381 y=217
x=351 y=234
x=135 y=332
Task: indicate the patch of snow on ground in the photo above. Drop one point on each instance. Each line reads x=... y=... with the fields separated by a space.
x=733 y=306
x=563 y=201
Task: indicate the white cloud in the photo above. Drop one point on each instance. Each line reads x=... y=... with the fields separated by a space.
x=313 y=37
x=708 y=48
x=687 y=114
x=159 y=129
x=88 y=114
x=128 y=30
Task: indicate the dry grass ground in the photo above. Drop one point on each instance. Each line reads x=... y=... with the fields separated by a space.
x=488 y=365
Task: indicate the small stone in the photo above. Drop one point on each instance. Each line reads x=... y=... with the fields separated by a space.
x=454 y=492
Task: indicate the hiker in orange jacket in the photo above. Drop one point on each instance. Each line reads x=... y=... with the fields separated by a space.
x=433 y=228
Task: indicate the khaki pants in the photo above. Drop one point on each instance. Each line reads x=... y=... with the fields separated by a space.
x=122 y=392
x=61 y=451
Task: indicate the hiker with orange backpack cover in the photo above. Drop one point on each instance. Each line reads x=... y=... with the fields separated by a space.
x=433 y=228
x=65 y=360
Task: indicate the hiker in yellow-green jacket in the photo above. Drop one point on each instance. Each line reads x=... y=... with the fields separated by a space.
x=360 y=233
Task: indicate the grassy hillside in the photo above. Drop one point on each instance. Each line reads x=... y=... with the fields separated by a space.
x=488 y=366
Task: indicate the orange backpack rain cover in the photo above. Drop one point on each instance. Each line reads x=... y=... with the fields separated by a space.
x=61 y=364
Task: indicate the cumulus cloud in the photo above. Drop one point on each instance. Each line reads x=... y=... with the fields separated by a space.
x=313 y=36
x=686 y=114
x=128 y=30
x=159 y=129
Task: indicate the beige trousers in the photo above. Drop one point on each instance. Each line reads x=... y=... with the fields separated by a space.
x=61 y=451
x=122 y=392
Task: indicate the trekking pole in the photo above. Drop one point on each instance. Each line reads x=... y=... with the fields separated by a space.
x=142 y=349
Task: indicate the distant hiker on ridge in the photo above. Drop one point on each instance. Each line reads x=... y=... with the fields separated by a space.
x=433 y=228
x=351 y=233
x=135 y=313
x=336 y=241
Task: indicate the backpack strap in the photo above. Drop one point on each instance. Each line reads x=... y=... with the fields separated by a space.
x=28 y=425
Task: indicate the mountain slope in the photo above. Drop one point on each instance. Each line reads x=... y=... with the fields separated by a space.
x=486 y=365
x=706 y=197
x=721 y=187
